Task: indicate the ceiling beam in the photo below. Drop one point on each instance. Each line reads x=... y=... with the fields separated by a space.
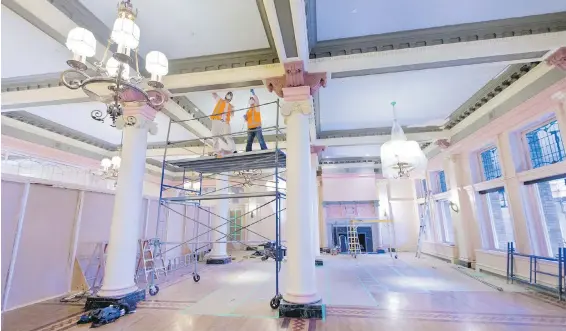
x=427 y=55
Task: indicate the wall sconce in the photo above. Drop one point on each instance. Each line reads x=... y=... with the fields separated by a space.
x=454 y=207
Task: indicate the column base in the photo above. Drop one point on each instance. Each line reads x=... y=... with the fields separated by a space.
x=312 y=310
x=318 y=262
x=130 y=299
x=219 y=260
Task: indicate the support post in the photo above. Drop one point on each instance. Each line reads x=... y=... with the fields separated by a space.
x=219 y=255
x=119 y=284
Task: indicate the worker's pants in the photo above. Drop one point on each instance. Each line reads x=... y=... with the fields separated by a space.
x=222 y=142
x=252 y=133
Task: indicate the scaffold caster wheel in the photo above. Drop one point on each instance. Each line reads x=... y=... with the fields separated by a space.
x=196 y=278
x=275 y=302
x=153 y=290
x=395 y=256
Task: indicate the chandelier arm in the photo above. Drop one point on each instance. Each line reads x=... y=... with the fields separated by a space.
x=73 y=83
x=97 y=115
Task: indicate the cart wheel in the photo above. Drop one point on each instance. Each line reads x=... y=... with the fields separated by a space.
x=275 y=302
x=196 y=278
x=263 y=258
x=395 y=256
x=153 y=290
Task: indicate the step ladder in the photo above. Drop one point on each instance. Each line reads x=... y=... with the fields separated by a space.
x=422 y=227
x=353 y=241
x=97 y=261
x=148 y=262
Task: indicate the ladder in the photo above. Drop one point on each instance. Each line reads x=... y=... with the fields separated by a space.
x=147 y=261
x=422 y=227
x=97 y=260
x=353 y=240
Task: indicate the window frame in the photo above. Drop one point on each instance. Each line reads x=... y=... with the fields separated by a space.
x=441 y=216
x=525 y=144
x=493 y=237
x=481 y=168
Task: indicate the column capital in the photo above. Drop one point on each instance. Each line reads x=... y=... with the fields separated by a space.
x=317 y=149
x=558 y=58
x=301 y=106
x=295 y=76
x=139 y=116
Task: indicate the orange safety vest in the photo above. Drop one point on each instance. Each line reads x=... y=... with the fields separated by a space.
x=253 y=118
x=219 y=111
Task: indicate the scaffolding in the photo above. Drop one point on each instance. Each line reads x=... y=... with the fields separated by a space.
x=247 y=170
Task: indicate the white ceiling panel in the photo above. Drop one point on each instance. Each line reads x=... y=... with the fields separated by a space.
x=77 y=117
x=190 y=28
x=205 y=102
x=343 y=19
x=26 y=50
x=424 y=97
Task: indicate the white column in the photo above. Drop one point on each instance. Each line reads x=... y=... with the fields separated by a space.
x=403 y=208
x=218 y=223
x=515 y=193
x=315 y=203
x=300 y=287
x=123 y=243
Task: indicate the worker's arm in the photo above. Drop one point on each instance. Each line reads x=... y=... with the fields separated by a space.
x=215 y=96
x=256 y=99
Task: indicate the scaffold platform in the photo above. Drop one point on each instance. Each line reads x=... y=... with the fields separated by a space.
x=205 y=197
x=263 y=159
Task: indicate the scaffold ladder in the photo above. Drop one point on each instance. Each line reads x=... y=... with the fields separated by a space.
x=97 y=260
x=353 y=240
x=422 y=227
x=147 y=261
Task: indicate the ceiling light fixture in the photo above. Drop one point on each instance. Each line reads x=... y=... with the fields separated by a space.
x=114 y=75
x=401 y=158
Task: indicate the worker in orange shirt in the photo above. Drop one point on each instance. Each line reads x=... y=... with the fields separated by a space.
x=253 y=119
x=223 y=143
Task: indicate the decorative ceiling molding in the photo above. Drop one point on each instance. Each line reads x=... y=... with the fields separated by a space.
x=489 y=91
x=384 y=131
x=42 y=123
x=350 y=160
x=223 y=61
x=504 y=28
x=534 y=88
x=518 y=57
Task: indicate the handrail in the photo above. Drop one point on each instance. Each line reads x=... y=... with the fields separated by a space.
x=533 y=272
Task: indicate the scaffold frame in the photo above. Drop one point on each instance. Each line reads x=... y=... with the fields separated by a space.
x=213 y=166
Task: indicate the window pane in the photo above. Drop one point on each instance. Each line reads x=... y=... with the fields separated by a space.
x=442 y=181
x=446 y=221
x=545 y=145
x=552 y=201
x=500 y=217
x=490 y=164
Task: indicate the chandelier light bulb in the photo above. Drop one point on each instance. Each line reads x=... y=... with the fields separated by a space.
x=105 y=164
x=112 y=67
x=125 y=33
x=116 y=161
x=82 y=43
x=157 y=65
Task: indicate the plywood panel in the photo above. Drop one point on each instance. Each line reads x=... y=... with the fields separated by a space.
x=95 y=223
x=175 y=230
x=11 y=204
x=42 y=269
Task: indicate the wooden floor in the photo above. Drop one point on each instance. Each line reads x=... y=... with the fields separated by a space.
x=368 y=293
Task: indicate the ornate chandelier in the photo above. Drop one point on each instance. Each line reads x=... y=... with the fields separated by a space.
x=401 y=158
x=109 y=168
x=114 y=75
